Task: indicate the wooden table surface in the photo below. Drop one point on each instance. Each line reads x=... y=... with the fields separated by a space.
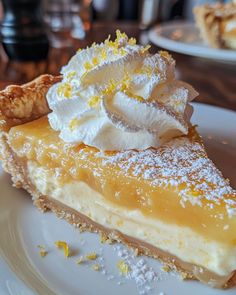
x=215 y=81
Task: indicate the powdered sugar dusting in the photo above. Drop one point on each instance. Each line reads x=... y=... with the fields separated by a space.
x=181 y=163
x=140 y=272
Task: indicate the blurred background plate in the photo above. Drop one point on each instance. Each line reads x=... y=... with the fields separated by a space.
x=183 y=37
x=23 y=227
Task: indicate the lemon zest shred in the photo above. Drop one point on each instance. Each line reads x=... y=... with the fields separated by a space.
x=124 y=85
x=64 y=89
x=146 y=48
x=103 y=54
x=108 y=42
x=132 y=41
x=93 y=101
x=84 y=76
x=123 y=267
x=88 y=65
x=165 y=54
x=166 y=268
x=194 y=193
x=73 y=124
x=63 y=245
x=91 y=256
x=103 y=238
x=120 y=35
x=115 y=44
x=125 y=82
x=108 y=38
x=146 y=70
x=176 y=103
x=136 y=97
x=112 y=85
x=122 y=51
x=43 y=253
x=71 y=75
x=41 y=247
x=115 y=50
x=95 y=61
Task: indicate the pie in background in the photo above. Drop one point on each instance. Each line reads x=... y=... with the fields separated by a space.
x=217 y=24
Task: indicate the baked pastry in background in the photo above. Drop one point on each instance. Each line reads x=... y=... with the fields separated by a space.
x=217 y=24
x=109 y=146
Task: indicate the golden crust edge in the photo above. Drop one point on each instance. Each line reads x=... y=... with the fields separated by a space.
x=23 y=103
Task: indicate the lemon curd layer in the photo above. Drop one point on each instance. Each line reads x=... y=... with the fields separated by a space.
x=175 y=184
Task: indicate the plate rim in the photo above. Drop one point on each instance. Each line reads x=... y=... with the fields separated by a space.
x=215 y=107
x=155 y=36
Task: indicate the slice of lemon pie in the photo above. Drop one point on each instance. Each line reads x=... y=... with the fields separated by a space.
x=109 y=147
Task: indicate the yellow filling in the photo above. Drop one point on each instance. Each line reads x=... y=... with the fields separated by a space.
x=37 y=141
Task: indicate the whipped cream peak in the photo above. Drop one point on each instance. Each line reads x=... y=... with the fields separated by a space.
x=117 y=96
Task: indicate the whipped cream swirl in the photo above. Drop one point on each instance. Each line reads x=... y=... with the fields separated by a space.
x=117 y=96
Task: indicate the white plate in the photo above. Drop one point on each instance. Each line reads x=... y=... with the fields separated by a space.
x=23 y=227
x=183 y=37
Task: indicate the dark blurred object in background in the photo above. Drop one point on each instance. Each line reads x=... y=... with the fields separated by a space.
x=172 y=9
x=147 y=12
x=22 y=30
x=23 y=33
x=105 y=10
x=129 y=10
x=108 y=10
